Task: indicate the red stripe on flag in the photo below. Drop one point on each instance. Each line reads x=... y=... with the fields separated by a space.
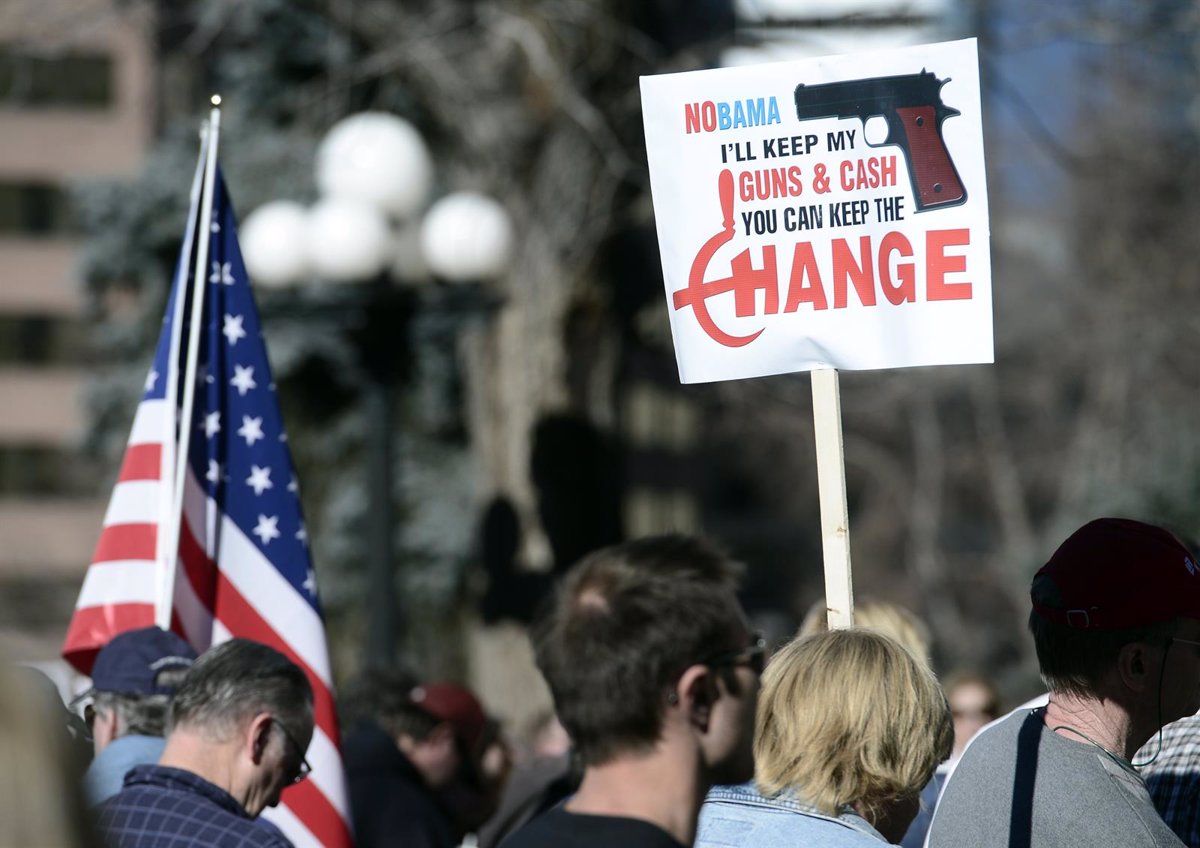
x=126 y=541
x=197 y=567
x=242 y=619
x=92 y=627
x=311 y=806
x=142 y=462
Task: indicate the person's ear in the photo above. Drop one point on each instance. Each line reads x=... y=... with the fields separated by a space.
x=106 y=724
x=258 y=735
x=1134 y=665
x=697 y=692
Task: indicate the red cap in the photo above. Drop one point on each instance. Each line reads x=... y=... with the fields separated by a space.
x=1115 y=573
x=456 y=706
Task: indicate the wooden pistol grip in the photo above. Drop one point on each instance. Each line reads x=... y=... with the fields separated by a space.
x=935 y=181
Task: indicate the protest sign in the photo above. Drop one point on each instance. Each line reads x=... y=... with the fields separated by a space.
x=823 y=213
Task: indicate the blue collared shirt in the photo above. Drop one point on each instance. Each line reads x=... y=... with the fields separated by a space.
x=105 y=777
x=740 y=816
x=162 y=807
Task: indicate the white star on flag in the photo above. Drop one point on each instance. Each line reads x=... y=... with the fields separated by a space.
x=222 y=272
x=302 y=535
x=214 y=471
x=212 y=424
x=293 y=486
x=243 y=379
x=259 y=479
x=251 y=430
x=151 y=379
x=233 y=329
x=267 y=528
x=310 y=583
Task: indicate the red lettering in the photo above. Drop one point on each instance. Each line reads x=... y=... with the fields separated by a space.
x=887 y=171
x=691 y=117
x=861 y=274
x=768 y=184
x=847 y=183
x=708 y=115
x=804 y=265
x=747 y=280
x=907 y=288
x=746 y=185
x=938 y=265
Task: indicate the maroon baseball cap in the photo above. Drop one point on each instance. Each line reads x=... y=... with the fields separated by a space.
x=1115 y=573
x=456 y=706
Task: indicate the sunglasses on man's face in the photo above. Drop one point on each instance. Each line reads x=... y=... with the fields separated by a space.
x=303 y=770
x=753 y=656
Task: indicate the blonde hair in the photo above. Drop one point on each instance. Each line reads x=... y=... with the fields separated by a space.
x=41 y=799
x=887 y=618
x=849 y=717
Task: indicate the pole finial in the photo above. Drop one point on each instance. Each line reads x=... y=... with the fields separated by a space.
x=216 y=100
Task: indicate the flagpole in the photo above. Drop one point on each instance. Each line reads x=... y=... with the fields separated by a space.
x=170 y=446
x=166 y=588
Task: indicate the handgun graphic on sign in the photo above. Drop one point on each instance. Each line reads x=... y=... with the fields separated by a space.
x=913 y=108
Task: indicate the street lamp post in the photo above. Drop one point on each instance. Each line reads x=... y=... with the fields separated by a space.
x=374 y=175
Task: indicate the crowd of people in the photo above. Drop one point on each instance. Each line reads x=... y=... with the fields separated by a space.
x=674 y=725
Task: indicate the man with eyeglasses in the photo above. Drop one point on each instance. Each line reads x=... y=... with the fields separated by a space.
x=239 y=729
x=134 y=678
x=1116 y=625
x=655 y=679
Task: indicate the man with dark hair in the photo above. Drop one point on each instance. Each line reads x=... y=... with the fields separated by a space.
x=655 y=678
x=409 y=744
x=1116 y=625
x=133 y=680
x=239 y=728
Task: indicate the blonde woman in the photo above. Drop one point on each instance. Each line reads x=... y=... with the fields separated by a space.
x=873 y=614
x=850 y=728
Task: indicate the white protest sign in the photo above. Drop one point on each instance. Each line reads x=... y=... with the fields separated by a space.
x=823 y=213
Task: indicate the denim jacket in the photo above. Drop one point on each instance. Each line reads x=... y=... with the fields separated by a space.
x=739 y=817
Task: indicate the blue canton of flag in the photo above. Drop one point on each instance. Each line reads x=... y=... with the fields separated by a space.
x=239 y=445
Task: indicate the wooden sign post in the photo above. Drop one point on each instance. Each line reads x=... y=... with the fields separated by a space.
x=831 y=483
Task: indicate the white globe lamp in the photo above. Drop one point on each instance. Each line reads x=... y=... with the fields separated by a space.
x=348 y=240
x=467 y=236
x=376 y=158
x=274 y=240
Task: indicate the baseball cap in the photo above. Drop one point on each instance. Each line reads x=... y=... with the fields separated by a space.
x=131 y=661
x=456 y=706
x=1115 y=573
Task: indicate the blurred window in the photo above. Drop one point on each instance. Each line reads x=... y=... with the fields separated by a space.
x=34 y=209
x=79 y=80
x=39 y=340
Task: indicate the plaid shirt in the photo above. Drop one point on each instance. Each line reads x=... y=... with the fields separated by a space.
x=164 y=807
x=1173 y=778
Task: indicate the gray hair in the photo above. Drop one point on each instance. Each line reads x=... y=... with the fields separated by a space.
x=141 y=715
x=235 y=681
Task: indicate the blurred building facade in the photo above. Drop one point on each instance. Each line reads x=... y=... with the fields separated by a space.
x=76 y=102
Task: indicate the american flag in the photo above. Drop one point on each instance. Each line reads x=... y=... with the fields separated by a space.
x=244 y=566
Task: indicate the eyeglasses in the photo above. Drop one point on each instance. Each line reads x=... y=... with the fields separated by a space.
x=304 y=769
x=1185 y=641
x=753 y=656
